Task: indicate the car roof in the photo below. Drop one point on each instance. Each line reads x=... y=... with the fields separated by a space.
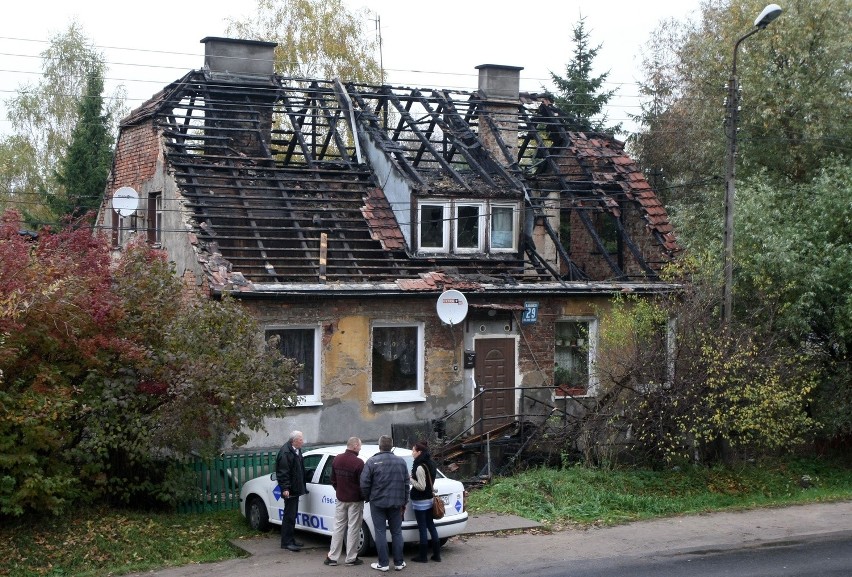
x=367 y=451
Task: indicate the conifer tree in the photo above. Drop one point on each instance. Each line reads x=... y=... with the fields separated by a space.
x=85 y=168
x=579 y=93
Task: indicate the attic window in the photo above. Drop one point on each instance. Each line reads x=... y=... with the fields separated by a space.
x=467 y=227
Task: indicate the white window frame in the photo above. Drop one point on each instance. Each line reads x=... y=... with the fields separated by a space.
x=314 y=398
x=380 y=397
x=591 y=390
x=515 y=217
x=450 y=245
x=445 y=244
x=480 y=228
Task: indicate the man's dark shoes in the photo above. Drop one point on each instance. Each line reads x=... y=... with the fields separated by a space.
x=356 y=561
x=293 y=548
x=436 y=558
x=420 y=559
x=329 y=561
x=297 y=544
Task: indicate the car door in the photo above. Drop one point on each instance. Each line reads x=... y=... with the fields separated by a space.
x=316 y=509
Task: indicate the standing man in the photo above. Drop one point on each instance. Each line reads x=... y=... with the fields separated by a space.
x=290 y=472
x=349 y=510
x=384 y=483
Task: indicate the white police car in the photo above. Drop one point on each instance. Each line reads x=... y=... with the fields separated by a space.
x=261 y=502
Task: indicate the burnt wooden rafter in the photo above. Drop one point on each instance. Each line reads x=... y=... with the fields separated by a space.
x=424 y=141
x=297 y=120
x=266 y=200
x=603 y=199
x=392 y=148
x=463 y=139
x=566 y=187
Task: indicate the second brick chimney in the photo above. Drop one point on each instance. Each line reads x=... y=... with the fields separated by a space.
x=499 y=89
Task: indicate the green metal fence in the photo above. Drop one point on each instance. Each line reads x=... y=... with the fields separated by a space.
x=219 y=480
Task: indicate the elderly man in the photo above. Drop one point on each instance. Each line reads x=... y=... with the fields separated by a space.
x=384 y=483
x=349 y=509
x=290 y=473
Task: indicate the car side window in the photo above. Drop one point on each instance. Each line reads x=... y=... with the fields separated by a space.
x=311 y=464
x=325 y=478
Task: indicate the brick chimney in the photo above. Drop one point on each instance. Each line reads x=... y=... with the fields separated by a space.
x=499 y=89
x=242 y=92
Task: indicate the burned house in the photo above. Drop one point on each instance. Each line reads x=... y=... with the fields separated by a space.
x=339 y=213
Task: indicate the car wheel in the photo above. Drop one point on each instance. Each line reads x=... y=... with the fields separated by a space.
x=365 y=541
x=257 y=515
x=444 y=541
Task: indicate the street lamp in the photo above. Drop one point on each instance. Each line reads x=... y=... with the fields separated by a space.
x=770 y=13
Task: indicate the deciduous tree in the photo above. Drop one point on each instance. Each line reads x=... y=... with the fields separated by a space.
x=43 y=117
x=106 y=369
x=316 y=39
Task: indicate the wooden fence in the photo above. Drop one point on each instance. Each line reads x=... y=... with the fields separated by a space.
x=219 y=480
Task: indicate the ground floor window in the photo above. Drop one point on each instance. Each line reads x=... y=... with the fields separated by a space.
x=301 y=344
x=397 y=362
x=574 y=356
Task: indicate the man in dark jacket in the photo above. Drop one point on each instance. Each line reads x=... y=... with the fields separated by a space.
x=384 y=483
x=349 y=509
x=290 y=473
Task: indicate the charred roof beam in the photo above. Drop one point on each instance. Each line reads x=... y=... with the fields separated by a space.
x=603 y=200
x=424 y=142
x=297 y=120
x=380 y=136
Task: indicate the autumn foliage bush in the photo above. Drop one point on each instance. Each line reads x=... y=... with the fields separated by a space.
x=107 y=373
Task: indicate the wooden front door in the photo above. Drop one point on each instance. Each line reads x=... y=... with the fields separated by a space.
x=494 y=372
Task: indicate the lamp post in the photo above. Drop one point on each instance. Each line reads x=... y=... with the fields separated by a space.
x=770 y=13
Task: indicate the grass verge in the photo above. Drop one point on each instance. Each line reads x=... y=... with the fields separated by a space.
x=107 y=542
x=578 y=495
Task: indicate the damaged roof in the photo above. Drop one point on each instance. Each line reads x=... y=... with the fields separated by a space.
x=280 y=191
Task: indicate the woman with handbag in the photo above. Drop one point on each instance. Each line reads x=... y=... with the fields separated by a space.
x=422 y=491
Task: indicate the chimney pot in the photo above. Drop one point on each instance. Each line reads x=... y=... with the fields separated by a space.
x=499 y=82
x=239 y=57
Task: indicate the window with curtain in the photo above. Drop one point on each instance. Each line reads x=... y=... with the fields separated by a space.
x=502 y=227
x=300 y=344
x=396 y=362
x=466 y=226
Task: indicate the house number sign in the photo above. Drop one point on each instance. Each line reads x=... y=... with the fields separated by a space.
x=530 y=313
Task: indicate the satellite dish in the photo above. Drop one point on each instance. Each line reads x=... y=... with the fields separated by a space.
x=452 y=307
x=125 y=200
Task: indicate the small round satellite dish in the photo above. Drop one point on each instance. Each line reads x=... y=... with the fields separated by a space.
x=452 y=307
x=125 y=200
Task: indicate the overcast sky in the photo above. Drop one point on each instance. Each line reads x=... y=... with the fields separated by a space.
x=434 y=43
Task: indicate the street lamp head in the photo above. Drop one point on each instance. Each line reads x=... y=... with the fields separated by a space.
x=770 y=13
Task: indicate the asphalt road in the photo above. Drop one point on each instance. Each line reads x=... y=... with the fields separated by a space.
x=746 y=542
x=819 y=556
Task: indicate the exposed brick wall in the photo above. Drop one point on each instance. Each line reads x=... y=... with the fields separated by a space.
x=136 y=156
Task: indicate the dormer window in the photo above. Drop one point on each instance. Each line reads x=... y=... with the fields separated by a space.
x=467 y=227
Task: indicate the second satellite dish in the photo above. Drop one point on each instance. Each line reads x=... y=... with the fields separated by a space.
x=452 y=307
x=125 y=200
